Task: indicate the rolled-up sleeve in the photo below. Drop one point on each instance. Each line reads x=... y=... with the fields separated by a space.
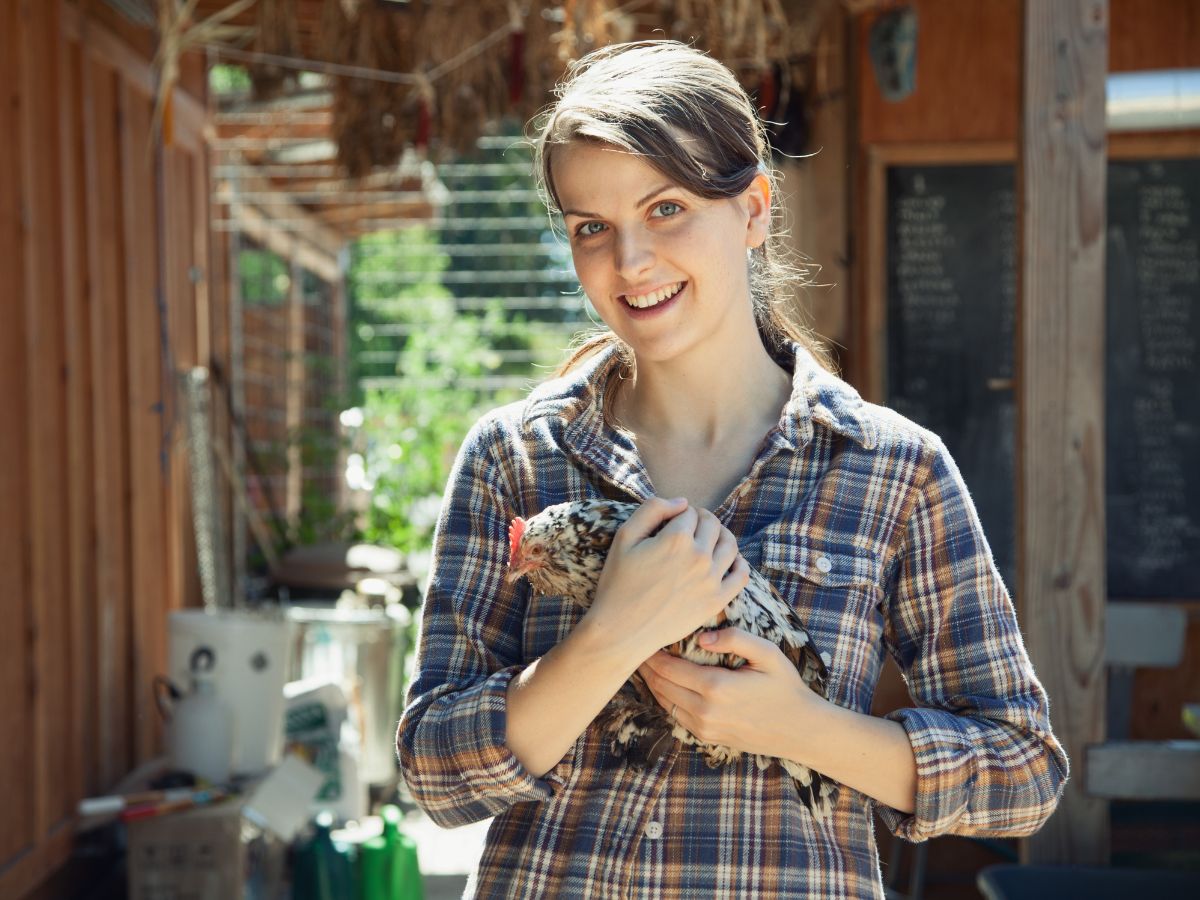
x=987 y=761
x=451 y=737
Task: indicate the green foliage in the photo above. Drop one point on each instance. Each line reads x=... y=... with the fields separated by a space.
x=264 y=276
x=227 y=79
x=414 y=424
x=429 y=355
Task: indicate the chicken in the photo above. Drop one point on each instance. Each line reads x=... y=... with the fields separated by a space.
x=562 y=551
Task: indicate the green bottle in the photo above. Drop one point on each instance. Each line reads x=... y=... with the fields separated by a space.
x=320 y=870
x=375 y=870
x=406 y=883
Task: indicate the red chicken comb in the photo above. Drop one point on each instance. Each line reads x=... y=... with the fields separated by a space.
x=515 y=531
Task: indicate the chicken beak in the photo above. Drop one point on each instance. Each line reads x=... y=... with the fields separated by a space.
x=516 y=569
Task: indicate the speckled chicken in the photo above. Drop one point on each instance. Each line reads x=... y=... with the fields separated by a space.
x=562 y=551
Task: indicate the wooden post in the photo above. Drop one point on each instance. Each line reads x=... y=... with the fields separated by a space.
x=295 y=389
x=1060 y=366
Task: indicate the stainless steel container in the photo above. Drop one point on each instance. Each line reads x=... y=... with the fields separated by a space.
x=363 y=651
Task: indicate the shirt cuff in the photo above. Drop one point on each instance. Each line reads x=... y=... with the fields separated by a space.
x=462 y=770
x=945 y=774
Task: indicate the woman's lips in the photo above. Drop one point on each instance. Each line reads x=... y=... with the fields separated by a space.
x=649 y=312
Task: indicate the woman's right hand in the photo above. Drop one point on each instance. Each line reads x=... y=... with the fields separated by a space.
x=663 y=581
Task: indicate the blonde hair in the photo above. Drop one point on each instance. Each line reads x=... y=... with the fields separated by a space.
x=642 y=97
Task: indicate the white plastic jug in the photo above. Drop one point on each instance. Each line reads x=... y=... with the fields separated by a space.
x=200 y=730
x=249 y=675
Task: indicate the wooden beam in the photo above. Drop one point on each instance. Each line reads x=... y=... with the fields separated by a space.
x=1060 y=392
x=45 y=429
x=147 y=429
x=294 y=390
x=1144 y=770
x=106 y=305
x=190 y=116
x=258 y=227
x=319 y=235
x=80 y=477
x=16 y=751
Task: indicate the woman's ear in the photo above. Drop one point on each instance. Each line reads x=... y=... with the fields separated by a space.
x=757 y=198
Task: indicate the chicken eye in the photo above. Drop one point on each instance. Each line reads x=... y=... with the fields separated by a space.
x=536 y=550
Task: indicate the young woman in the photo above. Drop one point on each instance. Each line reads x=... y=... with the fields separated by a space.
x=704 y=392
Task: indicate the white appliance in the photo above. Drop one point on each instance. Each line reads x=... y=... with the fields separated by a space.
x=249 y=672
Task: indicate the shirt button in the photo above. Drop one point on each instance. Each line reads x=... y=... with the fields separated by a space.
x=824 y=564
x=654 y=830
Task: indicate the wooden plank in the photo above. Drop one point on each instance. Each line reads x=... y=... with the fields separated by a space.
x=257 y=226
x=1154 y=34
x=45 y=427
x=1060 y=393
x=340 y=322
x=294 y=382
x=1144 y=770
x=135 y=68
x=178 y=224
x=106 y=302
x=16 y=826
x=816 y=190
x=144 y=368
x=967 y=75
x=315 y=232
x=79 y=476
x=31 y=869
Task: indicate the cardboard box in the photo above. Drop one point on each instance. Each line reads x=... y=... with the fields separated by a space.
x=192 y=855
x=209 y=853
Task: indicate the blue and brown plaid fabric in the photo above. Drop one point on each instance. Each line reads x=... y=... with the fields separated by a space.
x=860 y=519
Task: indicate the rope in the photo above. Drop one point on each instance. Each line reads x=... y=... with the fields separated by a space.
x=328 y=68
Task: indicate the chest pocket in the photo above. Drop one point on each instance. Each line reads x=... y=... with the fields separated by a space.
x=548 y=619
x=837 y=591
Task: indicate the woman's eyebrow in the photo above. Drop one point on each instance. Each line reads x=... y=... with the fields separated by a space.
x=650 y=196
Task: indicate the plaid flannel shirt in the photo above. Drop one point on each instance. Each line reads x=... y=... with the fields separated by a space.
x=861 y=520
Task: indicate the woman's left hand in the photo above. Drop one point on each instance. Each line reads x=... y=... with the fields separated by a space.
x=755 y=709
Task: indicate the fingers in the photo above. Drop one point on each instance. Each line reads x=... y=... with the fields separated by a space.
x=725 y=552
x=736 y=640
x=648 y=517
x=672 y=683
x=708 y=531
x=736 y=578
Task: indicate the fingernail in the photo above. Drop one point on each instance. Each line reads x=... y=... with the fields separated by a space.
x=709 y=637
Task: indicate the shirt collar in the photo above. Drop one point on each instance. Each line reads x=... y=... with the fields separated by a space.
x=818 y=398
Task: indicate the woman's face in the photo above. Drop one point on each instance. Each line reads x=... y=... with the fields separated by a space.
x=665 y=269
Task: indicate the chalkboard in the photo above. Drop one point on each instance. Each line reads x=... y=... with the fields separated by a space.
x=1153 y=378
x=951 y=296
x=950 y=286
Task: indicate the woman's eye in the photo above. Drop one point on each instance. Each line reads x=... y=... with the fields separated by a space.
x=587 y=229
x=667 y=208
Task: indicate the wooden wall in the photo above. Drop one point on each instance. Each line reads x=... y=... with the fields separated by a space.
x=968 y=92
x=968 y=70
x=104 y=298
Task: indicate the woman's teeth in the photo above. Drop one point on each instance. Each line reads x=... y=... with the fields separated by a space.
x=644 y=301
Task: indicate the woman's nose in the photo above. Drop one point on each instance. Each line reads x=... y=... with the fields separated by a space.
x=635 y=255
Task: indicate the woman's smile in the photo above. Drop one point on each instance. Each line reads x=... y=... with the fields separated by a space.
x=655 y=302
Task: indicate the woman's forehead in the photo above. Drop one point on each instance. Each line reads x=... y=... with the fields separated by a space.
x=589 y=174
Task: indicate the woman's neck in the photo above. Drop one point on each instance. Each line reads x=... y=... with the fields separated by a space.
x=701 y=401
